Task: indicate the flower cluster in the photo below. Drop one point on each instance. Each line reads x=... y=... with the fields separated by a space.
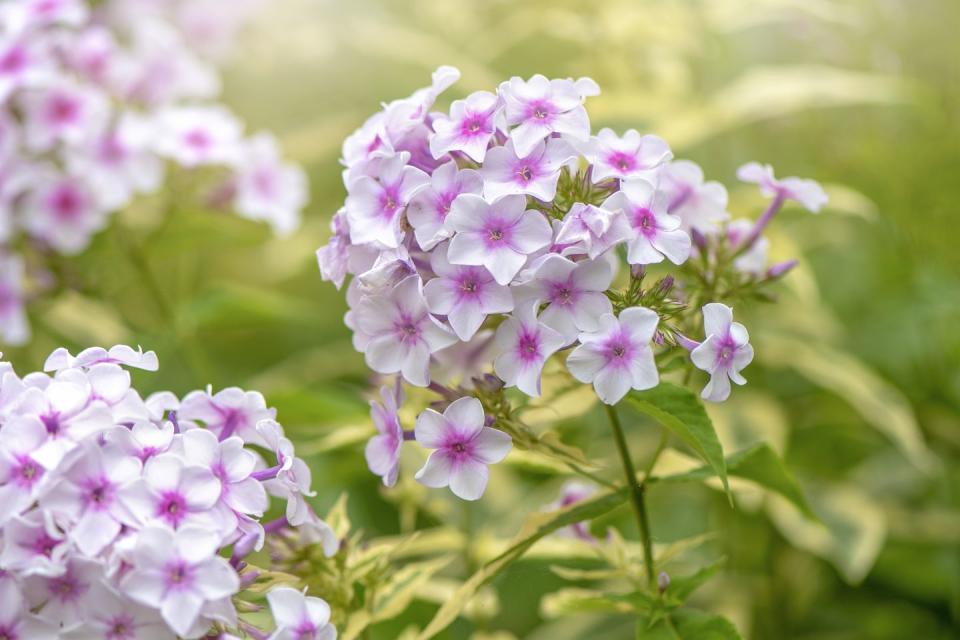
x=96 y=98
x=118 y=511
x=492 y=237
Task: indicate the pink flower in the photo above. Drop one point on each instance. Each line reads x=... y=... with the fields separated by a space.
x=178 y=573
x=16 y=621
x=231 y=411
x=62 y=212
x=541 y=107
x=754 y=260
x=114 y=617
x=592 y=230
x=699 y=205
x=657 y=234
x=266 y=188
x=64 y=112
x=376 y=205
x=174 y=494
x=617 y=357
x=628 y=157
x=498 y=236
x=572 y=492
x=469 y=127
x=402 y=333
x=383 y=450
x=334 y=258
x=299 y=617
x=21 y=474
x=724 y=353
x=427 y=212
x=196 y=136
x=524 y=344
x=808 y=193
x=535 y=174
x=14 y=329
x=34 y=545
x=64 y=598
x=574 y=293
x=88 y=495
x=463 y=448
x=465 y=294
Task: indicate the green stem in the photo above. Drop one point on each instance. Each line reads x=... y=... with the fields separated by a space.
x=636 y=494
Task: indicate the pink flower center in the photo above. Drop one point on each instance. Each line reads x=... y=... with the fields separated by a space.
x=111 y=151
x=13 y=61
x=528 y=346
x=265 y=182
x=178 y=575
x=542 y=111
x=727 y=349
x=66 y=203
x=121 y=627
x=622 y=161
x=645 y=222
x=44 y=545
x=459 y=447
x=473 y=125
x=390 y=203
x=172 y=508
x=27 y=472
x=407 y=330
x=66 y=588
x=62 y=110
x=619 y=350
x=98 y=493
x=51 y=422
x=198 y=139
x=562 y=293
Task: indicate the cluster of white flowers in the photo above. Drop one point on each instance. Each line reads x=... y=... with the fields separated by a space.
x=487 y=237
x=116 y=510
x=95 y=99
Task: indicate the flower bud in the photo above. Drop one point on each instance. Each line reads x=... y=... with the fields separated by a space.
x=699 y=240
x=663 y=582
x=781 y=269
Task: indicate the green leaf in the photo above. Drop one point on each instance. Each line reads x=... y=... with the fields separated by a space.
x=575 y=601
x=681 y=411
x=536 y=527
x=759 y=464
x=688 y=624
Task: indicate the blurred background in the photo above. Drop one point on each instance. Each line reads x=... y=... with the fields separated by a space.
x=857 y=379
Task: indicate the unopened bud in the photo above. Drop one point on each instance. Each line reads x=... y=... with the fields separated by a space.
x=665 y=286
x=781 y=269
x=637 y=271
x=663 y=582
x=686 y=342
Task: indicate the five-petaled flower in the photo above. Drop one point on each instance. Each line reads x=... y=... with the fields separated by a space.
x=524 y=343
x=617 y=357
x=724 y=353
x=656 y=233
x=807 y=192
x=463 y=448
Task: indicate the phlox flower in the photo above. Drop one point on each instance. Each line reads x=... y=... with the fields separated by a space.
x=401 y=332
x=631 y=156
x=466 y=295
x=33 y=545
x=88 y=494
x=591 y=230
x=62 y=212
x=535 y=173
x=21 y=474
x=754 y=260
x=64 y=112
x=498 y=236
x=196 y=136
x=383 y=450
x=63 y=598
x=299 y=617
x=523 y=344
x=113 y=617
x=540 y=107
x=572 y=492
x=724 y=353
x=469 y=127
x=178 y=573
x=574 y=293
x=231 y=411
x=700 y=205
x=16 y=621
x=375 y=206
x=428 y=209
x=174 y=494
x=463 y=448
x=617 y=356
x=808 y=193
x=266 y=188
x=656 y=233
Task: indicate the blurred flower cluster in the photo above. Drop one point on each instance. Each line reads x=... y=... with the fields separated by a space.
x=117 y=511
x=96 y=99
x=492 y=237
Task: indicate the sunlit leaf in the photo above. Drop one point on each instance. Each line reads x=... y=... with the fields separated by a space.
x=681 y=411
x=577 y=601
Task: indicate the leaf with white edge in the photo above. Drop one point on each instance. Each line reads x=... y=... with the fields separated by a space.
x=536 y=527
x=392 y=598
x=337 y=518
x=576 y=601
x=688 y=624
x=681 y=411
x=758 y=464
